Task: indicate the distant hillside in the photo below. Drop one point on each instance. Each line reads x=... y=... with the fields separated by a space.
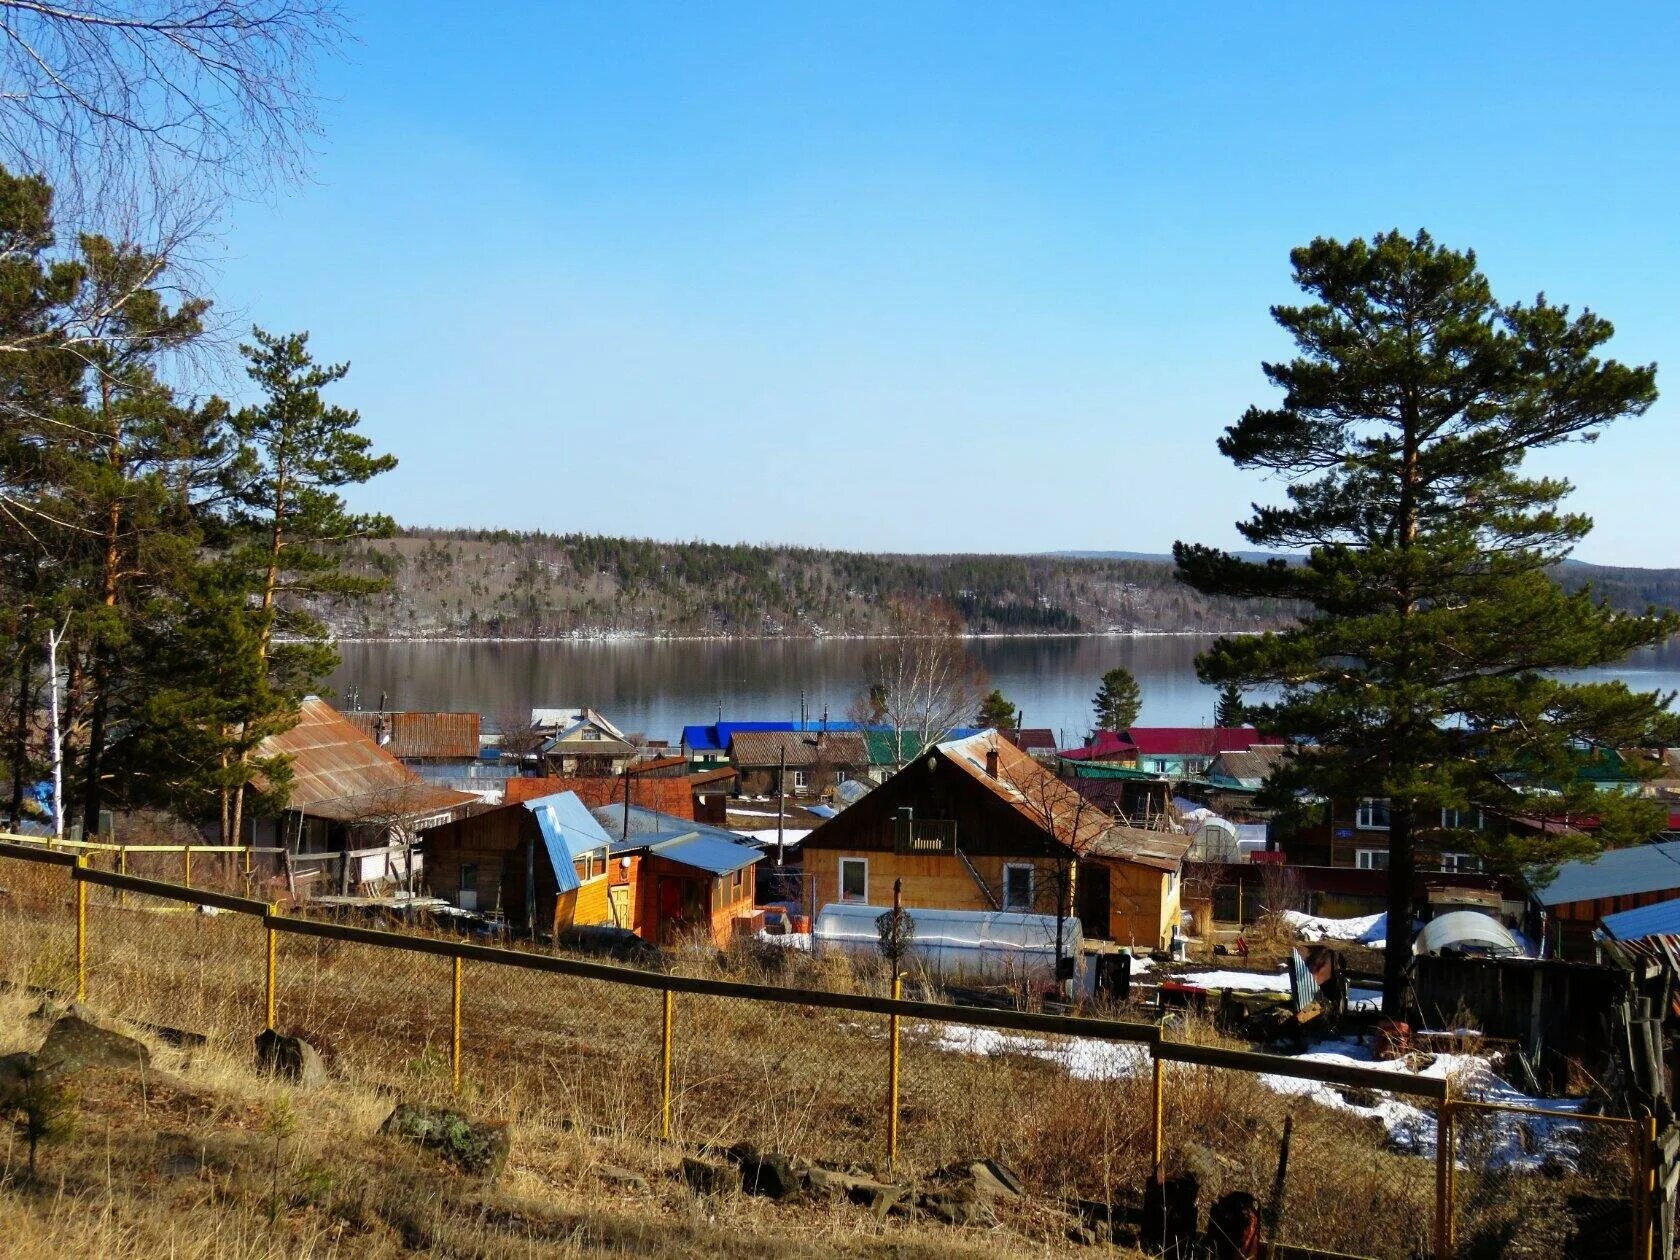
x=501 y=584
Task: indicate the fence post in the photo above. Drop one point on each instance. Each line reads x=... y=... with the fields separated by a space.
x=1644 y=1185
x=122 y=869
x=455 y=1028
x=665 y=1071
x=81 y=926
x=271 y=989
x=186 y=865
x=1157 y=1123
x=892 y=1077
x=1445 y=1140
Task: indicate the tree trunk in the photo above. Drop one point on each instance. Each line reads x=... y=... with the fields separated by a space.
x=1397 y=954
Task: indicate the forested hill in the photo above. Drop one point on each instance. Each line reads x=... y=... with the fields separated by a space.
x=500 y=584
x=472 y=583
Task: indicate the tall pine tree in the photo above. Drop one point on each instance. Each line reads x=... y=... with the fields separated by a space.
x=1118 y=701
x=1423 y=670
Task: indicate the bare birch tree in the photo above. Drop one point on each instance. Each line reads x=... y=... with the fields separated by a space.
x=920 y=680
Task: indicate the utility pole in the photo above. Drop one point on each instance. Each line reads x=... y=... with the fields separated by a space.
x=625 y=833
x=781 y=800
x=53 y=640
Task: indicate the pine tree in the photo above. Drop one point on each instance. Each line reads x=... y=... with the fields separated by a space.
x=996 y=712
x=296 y=453
x=1423 y=670
x=1118 y=700
x=1230 y=711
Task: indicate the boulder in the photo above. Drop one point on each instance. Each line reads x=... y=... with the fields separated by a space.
x=622 y=1177
x=707 y=1178
x=292 y=1058
x=766 y=1174
x=473 y=1147
x=13 y=1068
x=75 y=1042
x=989 y=1178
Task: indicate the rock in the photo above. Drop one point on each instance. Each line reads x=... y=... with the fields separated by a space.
x=878 y=1197
x=622 y=1177
x=769 y=1175
x=989 y=1178
x=475 y=1148
x=1083 y=1236
x=961 y=1205
x=74 y=1042
x=706 y=1178
x=290 y=1057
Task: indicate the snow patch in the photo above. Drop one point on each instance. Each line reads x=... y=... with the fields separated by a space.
x=1367 y=929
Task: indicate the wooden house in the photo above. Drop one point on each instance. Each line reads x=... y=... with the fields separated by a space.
x=581 y=742
x=977 y=824
x=1583 y=892
x=539 y=865
x=814 y=761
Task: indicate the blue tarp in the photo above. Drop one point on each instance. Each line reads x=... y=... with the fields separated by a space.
x=569 y=831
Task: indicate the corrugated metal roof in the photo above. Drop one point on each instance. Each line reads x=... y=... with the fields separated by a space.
x=1195 y=740
x=569 y=832
x=1660 y=919
x=705 y=853
x=646 y=822
x=421 y=736
x=340 y=773
x=801 y=748
x=553 y=720
x=1643 y=868
x=1159 y=850
x=1037 y=794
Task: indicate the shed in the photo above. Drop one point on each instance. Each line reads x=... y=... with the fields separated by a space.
x=691 y=883
x=1585 y=891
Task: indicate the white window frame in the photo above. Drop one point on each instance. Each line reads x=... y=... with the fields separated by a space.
x=1454 y=864
x=1366 y=859
x=854 y=861
x=801 y=779
x=1456 y=825
x=1032 y=890
x=1366 y=811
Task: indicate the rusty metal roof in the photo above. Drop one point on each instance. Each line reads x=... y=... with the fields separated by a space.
x=422 y=736
x=340 y=773
x=1057 y=809
x=1161 y=850
x=803 y=748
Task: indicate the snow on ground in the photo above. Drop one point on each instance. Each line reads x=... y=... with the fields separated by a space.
x=1368 y=929
x=753 y=813
x=790 y=940
x=1084 y=1058
x=1241 y=981
x=790 y=835
x=1502 y=1139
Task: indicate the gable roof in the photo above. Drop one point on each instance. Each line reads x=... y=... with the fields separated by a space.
x=1195 y=741
x=1032 y=738
x=1160 y=850
x=1643 y=868
x=801 y=748
x=569 y=832
x=421 y=736
x=559 y=721
x=1033 y=791
x=1103 y=745
x=704 y=852
x=1248 y=767
x=340 y=773
x=648 y=822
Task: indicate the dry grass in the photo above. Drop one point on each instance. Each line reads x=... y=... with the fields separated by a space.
x=574 y=1066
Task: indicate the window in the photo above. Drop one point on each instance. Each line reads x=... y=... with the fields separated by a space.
x=1461 y=863
x=1371 y=859
x=738 y=883
x=1372 y=815
x=801 y=780
x=467 y=895
x=1017 y=886
x=854 y=879
x=1461 y=819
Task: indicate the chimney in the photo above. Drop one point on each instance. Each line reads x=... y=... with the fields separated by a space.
x=992 y=761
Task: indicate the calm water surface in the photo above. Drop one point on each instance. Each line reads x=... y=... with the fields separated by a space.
x=658 y=687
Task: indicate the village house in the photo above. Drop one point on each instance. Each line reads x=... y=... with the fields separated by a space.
x=814 y=761
x=976 y=824
x=353 y=810
x=580 y=743
x=1035 y=741
x=443 y=748
x=539 y=864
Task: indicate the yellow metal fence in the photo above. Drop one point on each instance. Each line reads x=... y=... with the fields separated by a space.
x=1091 y=1108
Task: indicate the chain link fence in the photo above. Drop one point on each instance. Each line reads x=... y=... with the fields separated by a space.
x=1333 y=1158
x=1536 y=1182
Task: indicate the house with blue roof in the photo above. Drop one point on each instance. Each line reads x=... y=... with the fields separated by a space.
x=1603 y=889
x=539 y=865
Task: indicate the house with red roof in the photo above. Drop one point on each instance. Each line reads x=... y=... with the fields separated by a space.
x=1173 y=752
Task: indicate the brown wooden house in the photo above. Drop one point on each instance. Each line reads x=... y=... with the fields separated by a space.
x=814 y=760
x=977 y=824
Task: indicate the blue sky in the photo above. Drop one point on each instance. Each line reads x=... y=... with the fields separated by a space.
x=933 y=277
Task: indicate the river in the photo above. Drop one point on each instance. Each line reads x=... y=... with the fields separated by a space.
x=656 y=687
